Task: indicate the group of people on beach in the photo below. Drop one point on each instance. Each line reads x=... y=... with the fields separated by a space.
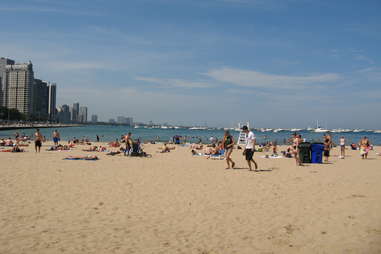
x=223 y=147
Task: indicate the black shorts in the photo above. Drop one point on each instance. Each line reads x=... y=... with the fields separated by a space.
x=38 y=143
x=249 y=154
x=326 y=153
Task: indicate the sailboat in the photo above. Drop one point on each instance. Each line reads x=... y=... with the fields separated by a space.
x=320 y=129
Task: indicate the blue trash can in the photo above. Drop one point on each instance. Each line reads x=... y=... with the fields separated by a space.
x=317 y=153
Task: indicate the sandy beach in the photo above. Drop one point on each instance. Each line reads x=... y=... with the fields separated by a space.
x=177 y=203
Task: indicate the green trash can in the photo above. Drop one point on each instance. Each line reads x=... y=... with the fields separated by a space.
x=305 y=152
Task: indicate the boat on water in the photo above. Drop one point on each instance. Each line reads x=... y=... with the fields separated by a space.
x=294 y=130
x=319 y=129
x=198 y=128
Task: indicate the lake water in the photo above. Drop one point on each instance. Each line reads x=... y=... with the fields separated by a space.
x=109 y=133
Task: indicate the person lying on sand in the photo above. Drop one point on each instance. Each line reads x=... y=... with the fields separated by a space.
x=196 y=146
x=59 y=148
x=91 y=149
x=166 y=149
x=88 y=157
x=113 y=153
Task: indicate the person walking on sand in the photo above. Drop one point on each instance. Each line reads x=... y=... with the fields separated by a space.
x=228 y=143
x=296 y=140
x=342 y=147
x=249 y=148
x=38 y=140
x=56 y=137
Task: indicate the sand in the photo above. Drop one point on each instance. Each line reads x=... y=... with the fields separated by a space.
x=176 y=203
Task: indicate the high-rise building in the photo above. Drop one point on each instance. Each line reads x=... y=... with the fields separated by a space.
x=3 y=63
x=64 y=115
x=94 y=118
x=82 y=114
x=52 y=93
x=19 y=79
x=40 y=99
x=75 y=112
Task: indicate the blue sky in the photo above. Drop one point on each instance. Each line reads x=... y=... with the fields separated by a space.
x=275 y=63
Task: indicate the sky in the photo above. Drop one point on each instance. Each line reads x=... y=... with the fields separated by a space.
x=274 y=63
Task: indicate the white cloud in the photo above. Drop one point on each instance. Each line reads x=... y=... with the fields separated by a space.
x=249 y=78
x=180 y=83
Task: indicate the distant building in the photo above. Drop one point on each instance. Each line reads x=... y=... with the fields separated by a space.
x=3 y=63
x=40 y=99
x=82 y=116
x=121 y=119
x=94 y=118
x=75 y=113
x=130 y=121
x=52 y=93
x=64 y=115
x=19 y=81
x=124 y=120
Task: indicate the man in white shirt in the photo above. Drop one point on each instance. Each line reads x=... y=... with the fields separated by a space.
x=249 y=148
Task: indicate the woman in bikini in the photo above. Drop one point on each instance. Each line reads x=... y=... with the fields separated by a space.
x=295 y=147
x=228 y=143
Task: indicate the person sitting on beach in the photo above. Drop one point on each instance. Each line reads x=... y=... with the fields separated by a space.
x=288 y=152
x=17 y=149
x=2 y=142
x=353 y=146
x=8 y=142
x=115 y=143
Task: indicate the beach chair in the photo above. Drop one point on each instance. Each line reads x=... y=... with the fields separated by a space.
x=219 y=156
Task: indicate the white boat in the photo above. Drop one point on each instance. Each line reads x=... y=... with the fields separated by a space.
x=295 y=129
x=320 y=130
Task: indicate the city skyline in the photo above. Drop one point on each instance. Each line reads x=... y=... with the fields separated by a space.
x=273 y=63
